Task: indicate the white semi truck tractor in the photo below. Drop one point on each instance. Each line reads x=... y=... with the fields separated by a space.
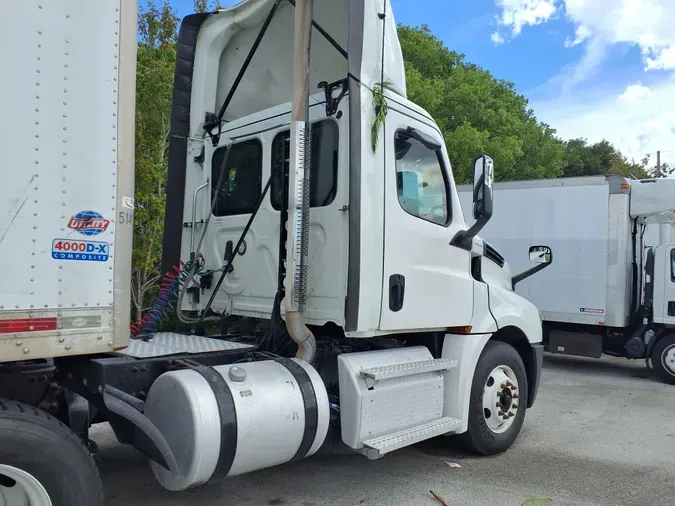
x=386 y=320
x=612 y=288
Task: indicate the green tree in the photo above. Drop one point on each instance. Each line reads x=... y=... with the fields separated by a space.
x=206 y=6
x=154 y=82
x=583 y=159
x=477 y=113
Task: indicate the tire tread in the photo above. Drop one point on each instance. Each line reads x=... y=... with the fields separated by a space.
x=19 y=412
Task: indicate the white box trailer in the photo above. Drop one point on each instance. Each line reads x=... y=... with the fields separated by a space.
x=371 y=344
x=611 y=286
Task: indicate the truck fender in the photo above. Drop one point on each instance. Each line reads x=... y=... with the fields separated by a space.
x=511 y=310
x=466 y=349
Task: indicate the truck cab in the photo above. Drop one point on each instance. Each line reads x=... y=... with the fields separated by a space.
x=383 y=207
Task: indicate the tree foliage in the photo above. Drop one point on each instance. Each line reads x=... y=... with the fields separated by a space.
x=584 y=159
x=154 y=80
x=477 y=113
x=480 y=114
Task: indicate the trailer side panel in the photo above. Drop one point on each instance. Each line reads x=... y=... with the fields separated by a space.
x=585 y=221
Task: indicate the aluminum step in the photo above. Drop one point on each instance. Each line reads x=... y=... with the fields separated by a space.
x=408 y=369
x=379 y=446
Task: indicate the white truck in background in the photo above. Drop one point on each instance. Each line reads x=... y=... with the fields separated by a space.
x=388 y=324
x=611 y=288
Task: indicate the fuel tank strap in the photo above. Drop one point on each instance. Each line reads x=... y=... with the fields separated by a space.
x=228 y=417
x=311 y=407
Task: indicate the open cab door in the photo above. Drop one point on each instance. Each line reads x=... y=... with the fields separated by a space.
x=230 y=155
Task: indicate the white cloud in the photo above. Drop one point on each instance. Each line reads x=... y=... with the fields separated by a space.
x=581 y=35
x=635 y=93
x=497 y=38
x=645 y=23
x=665 y=59
x=519 y=13
x=636 y=120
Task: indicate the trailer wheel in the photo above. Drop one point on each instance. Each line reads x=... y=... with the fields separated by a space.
x=498 y=400
x=42 y=462
x=663 y=359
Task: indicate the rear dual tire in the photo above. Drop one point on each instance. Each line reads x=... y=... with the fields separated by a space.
x=42 y=462
x=498 y=400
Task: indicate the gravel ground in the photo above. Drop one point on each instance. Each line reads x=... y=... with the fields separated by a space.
x=602 y=432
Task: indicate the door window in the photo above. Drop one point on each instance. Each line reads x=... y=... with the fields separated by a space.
x=422 y=184
x=324 y=164
x=672 y=265
x=241 y=188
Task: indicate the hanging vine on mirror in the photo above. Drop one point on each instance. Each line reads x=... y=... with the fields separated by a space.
x=381 y=110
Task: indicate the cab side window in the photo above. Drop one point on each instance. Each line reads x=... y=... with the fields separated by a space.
x=421 y=182
x=324 y=164
x=672 y=265
x=241 y=187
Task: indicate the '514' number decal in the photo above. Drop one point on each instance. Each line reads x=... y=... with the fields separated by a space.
x=125 y=218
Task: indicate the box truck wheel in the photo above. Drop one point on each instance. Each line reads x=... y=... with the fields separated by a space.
x=663 y=358
x=498 y=400
x=42 y=462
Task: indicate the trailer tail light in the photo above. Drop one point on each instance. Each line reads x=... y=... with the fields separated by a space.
x=625 y=186
x=27 y=325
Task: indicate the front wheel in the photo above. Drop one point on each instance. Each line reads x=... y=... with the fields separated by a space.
x=663 y=359
x=498 y=400
x=42 y=462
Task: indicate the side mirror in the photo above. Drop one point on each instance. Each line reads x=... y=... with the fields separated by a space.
x=483 y=178
x=540 y=255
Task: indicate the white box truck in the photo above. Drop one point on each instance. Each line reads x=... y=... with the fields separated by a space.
x=382 y=331
x=611 y=287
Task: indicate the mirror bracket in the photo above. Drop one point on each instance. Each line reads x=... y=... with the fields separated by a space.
x=530 y=272
x=464 y=238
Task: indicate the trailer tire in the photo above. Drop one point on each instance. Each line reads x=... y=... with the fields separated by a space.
x=51 y=459
x=499 y=388
x=663 y=359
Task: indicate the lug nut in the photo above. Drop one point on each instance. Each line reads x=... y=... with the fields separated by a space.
x=515 y=406
x=511 y=413
x=500 y=413
x=516 y=396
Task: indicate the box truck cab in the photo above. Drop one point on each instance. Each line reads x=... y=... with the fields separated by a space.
x=387 y=320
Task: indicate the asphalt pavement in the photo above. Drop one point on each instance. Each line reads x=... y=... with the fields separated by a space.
x=602 y=432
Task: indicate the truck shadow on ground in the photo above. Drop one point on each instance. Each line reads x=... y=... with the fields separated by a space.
x=613 y=366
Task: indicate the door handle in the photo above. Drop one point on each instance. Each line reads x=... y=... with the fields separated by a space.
x=194 y=217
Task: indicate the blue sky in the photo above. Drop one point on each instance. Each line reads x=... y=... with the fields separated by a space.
x=590 y=68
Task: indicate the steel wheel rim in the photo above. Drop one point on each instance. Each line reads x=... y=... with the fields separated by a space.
x=668 y=359
x=25 y=491
x=501 y=395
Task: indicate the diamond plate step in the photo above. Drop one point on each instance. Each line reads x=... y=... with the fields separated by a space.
x=377 y=447
x=408 y=369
